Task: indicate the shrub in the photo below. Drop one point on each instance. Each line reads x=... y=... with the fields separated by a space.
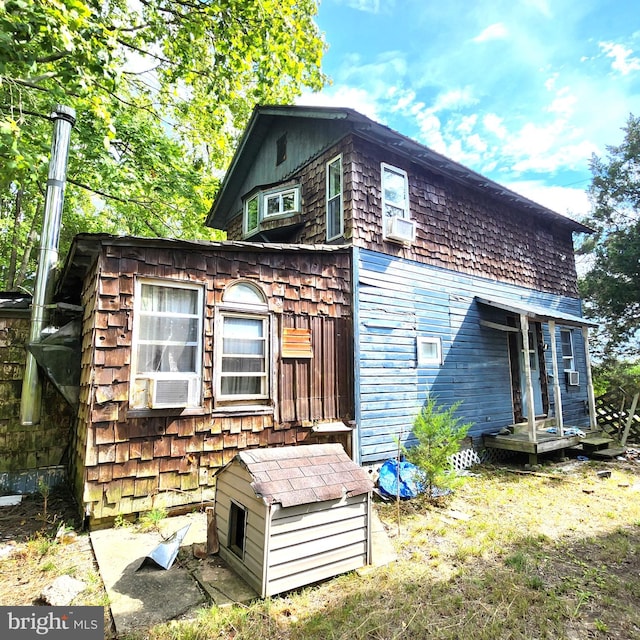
x=438 y=433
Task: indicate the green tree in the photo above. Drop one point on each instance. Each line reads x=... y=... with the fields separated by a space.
x=616 y=378
x=611 y=287
x=438 y=432
x=161 y=90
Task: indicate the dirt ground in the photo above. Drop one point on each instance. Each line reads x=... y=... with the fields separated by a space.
x=21 y=522
x=32 y=556
x=33 y=552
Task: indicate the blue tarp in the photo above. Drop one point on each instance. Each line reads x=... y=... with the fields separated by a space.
x=399 y=480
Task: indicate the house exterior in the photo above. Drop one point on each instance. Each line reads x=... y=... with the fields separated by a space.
x=30 y=455
x=461 y=288
x=362 y=273
x=192 y=352
x=287 y=517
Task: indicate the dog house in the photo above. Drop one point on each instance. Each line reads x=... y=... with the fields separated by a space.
x=291 y=516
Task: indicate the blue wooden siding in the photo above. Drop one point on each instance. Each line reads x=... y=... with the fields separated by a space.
x=399 y=300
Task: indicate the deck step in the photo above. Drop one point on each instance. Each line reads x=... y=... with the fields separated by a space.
x=611 y=452
x=595 y=443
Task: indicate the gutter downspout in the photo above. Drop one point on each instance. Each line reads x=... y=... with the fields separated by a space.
x=63 y=120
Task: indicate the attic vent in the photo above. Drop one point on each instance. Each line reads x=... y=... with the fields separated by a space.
x=296 y=343
x=170 y=393
x=400 y=229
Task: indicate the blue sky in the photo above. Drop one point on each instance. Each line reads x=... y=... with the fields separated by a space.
x=521 y=91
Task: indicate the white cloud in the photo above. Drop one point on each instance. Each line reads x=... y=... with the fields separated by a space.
x=476 y=143
x=496 y=31
x=563 y=104
x=369 y=6
x=467 y=123
x=431 y=130
x=565 y=200
x=454 y=99
x=343 y=96
x=493 y=124
x=623 y=60
x=540 y=5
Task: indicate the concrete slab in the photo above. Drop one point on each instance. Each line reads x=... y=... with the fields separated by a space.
x=141 y=594
x=382 y=552
x=222 y=585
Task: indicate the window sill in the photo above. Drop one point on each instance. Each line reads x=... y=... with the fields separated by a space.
x=155 y=413
x=246 y=409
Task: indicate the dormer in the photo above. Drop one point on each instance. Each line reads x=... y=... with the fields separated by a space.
x=272 y=212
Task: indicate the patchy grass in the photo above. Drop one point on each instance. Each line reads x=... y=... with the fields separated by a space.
x=507 y=556
x=548 y=556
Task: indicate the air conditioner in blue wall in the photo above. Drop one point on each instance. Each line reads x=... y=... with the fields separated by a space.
x=573 y=378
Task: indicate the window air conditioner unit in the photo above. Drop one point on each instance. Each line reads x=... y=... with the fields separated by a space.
x=573 y=378
x=170 y=393
x=400 y=229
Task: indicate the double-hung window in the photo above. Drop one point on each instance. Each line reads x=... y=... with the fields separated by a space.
x=395 y=192
x=335 y=218
x=251 y=214
x=396 y=222
x=566 y=340
x=167 y=339
x=243 y=345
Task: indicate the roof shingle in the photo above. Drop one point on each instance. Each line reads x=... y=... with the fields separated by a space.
x=303 y=474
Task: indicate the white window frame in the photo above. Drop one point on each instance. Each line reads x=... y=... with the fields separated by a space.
x=280 y=194
x=403 y=211
x=330 y=198
x=245 y=223
x=262 y=197
x=568 y=361
x=143 y=383
x=425 y=360
x=240 y=303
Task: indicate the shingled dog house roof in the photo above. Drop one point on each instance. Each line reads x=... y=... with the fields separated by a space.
x=303 y=474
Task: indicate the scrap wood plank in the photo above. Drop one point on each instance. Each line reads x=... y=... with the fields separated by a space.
x=539 y=475
x=632 y=413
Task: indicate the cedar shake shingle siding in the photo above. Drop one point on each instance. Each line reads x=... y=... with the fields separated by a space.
x=130 y=460
x=459 y=227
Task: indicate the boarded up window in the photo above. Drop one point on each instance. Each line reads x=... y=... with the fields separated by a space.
x=296 y=343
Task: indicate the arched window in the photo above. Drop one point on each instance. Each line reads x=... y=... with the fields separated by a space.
x=245 y=293
x=243 y=345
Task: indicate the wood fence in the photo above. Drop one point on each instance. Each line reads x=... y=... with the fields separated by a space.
x=613 y=416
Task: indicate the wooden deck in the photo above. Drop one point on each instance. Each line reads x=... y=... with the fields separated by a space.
x=546 y=443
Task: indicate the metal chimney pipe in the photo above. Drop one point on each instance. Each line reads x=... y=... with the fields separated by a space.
x=63 y=120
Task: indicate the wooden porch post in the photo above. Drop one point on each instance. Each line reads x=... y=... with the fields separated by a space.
x=593 y=425
x=557 y=396
x=531 y=410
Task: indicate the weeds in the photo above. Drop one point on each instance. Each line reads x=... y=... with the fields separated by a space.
x=150 y=520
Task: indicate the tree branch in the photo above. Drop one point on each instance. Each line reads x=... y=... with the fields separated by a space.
x=109 y=196
x=9 y=108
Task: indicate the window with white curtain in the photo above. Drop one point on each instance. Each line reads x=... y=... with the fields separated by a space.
x=167 y=339
x=243 y=345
